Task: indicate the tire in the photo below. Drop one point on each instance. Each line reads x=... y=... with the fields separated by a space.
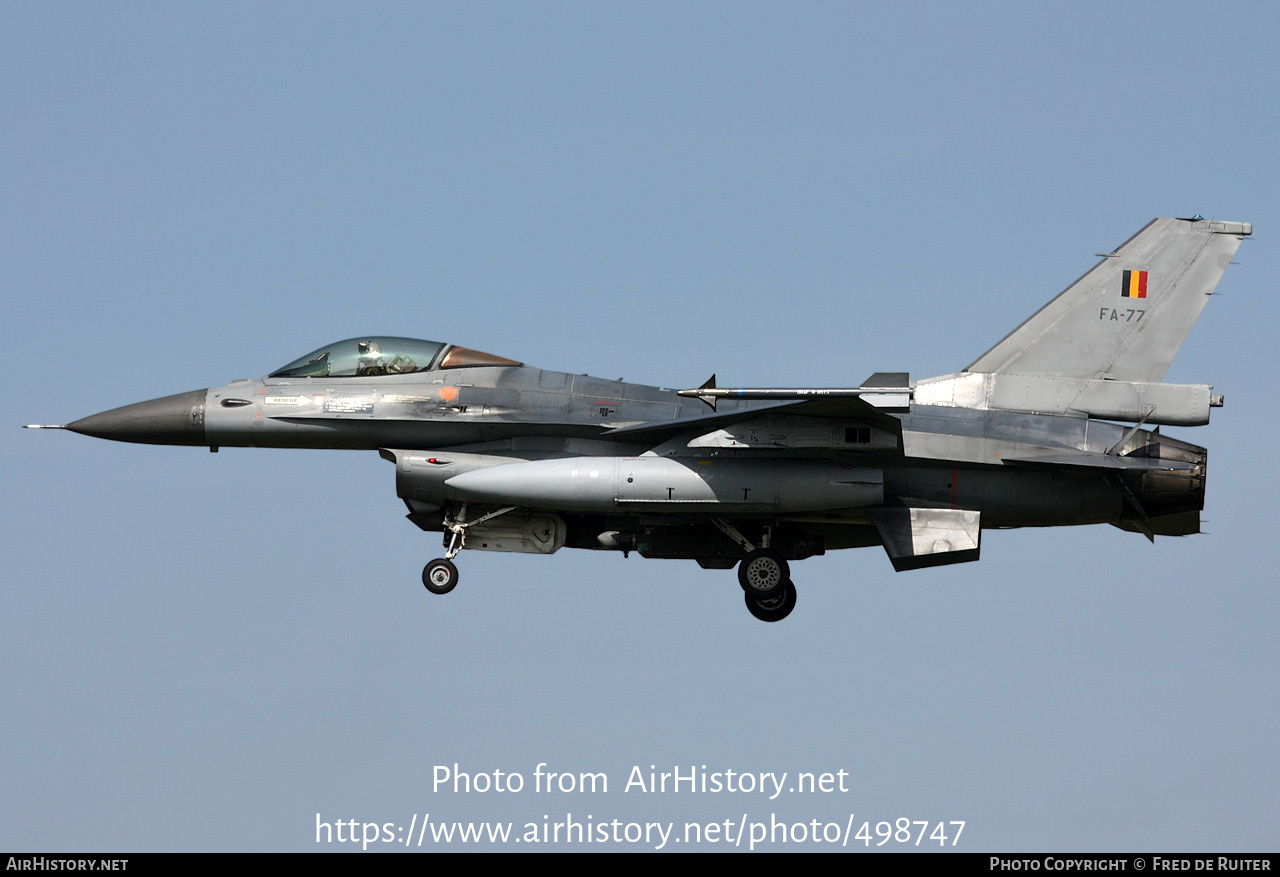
x=440 y=576
x=773 y=608
x=763 y=573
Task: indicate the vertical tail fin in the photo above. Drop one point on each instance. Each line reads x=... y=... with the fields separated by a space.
x=1127 y=317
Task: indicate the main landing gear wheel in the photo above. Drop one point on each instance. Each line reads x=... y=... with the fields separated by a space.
x=763 y=573
x=440 y=576
x=773 y=608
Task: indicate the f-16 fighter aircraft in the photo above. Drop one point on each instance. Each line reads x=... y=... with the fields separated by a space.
x=498 y=455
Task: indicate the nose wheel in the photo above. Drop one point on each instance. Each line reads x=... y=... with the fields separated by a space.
x=440 y=576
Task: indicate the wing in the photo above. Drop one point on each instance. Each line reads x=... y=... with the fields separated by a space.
x=849 y=408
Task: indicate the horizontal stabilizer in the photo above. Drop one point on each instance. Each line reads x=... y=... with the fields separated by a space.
x=1180 y=524
x=916 y=538
x=1106 y=461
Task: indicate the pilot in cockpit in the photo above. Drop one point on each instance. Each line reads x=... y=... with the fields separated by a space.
x=370 y=361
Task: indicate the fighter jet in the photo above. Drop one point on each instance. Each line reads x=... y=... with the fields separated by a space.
x=1057 y=424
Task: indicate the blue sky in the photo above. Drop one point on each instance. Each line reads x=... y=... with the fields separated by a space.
x=203 y=652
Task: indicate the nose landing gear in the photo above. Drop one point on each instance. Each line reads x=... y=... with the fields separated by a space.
x=440 y=576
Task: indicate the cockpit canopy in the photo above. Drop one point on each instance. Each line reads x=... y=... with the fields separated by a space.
x=384 y=355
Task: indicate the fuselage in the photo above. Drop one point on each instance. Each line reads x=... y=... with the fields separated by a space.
x=950 y=457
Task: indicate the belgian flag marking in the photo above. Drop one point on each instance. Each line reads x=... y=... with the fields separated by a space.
x=1134 y=284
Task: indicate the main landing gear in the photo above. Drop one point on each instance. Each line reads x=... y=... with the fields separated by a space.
x=440 y=576
x=773 y=608
x=764 y=575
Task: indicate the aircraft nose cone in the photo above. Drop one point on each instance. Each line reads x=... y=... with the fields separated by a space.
x=172 y=420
